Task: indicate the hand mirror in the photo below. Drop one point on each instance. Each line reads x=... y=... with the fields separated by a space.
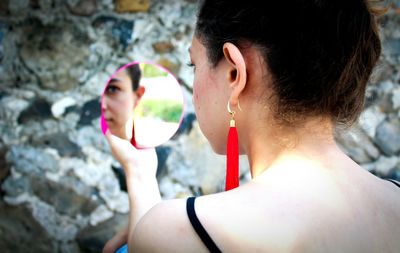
x=142 y=103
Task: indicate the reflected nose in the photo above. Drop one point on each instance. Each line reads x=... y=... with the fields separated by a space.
x=103 y=105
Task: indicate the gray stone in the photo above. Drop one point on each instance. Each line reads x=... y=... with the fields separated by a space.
x=122 y=30
x=69 y=247
x=11 y=107
x=120 y=174
x=20 y=232
x=119 y=30
x=4 y=167
x=18 y=200
x=171 y=189
x=396 y=98
x=385 y=165
x=110 y=192
x=95 y=84
x=386 y=87
x=186 y=125
x=31 y=160
x=69 y=196
x=59 y=107
x=44 y=5
x=370 y=119
x=91 y=110
x=88 y=173
x=162 y=155
x=82 y=7
x=246 y=177
x=388 y=137
x=101 y=214
x=37 y=111
x=31 y=129
x=93 y=238
x=369 y=167
x=18 y=6
x=60 y=43
x=16 y=185
x=3 y=7
x=393 y=46
x=357 y=145
x=193 y=163
x=89 y=136
x=59 y=142
x=396 y=3
x=395 y=174
x=59 y=227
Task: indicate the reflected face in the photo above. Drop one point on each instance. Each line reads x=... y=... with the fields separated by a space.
x=118 y=104
x=210 y=97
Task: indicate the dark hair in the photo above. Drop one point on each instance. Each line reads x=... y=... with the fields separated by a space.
x=321 y=53
x=135 y=74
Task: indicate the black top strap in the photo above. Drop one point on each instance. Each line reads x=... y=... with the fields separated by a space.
x=394 y=182
x=212 y=247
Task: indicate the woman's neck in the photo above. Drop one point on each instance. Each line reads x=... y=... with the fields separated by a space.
x=284 y=148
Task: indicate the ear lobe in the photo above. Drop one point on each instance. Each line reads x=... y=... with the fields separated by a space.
x=237 y=75
x=139 y=94
x=140 y=91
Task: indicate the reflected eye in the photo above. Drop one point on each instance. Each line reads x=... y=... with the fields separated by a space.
x=111 y=89
x=190 y=64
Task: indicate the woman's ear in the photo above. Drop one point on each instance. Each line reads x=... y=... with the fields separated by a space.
x=139 y=94
x=236 y=75
x=140 y=91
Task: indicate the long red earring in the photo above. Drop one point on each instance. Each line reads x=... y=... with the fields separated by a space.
x=133 y=140
x=232 y=155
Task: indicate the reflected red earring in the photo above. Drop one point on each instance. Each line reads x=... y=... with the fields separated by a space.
x=232 y=154
x=133 y=140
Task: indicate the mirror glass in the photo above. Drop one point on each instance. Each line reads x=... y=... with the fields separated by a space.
x=142 y=103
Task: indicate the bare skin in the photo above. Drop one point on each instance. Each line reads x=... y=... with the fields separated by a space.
x=305 y=195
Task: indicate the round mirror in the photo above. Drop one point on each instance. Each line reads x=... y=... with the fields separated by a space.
x=142 y=103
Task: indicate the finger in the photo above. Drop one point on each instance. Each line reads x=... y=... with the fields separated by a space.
x=109 y=135
x=111 y=139
x=116 y=242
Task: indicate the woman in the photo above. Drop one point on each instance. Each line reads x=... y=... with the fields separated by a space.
x=120 y=99
x=291 y=73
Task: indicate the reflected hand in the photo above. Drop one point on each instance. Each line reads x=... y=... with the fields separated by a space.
x=136 y=162
x=116 y=242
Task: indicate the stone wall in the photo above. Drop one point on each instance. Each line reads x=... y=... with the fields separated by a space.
x=61 y=190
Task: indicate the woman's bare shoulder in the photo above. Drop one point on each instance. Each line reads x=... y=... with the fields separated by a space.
x=282 y=218
x=166 y=228
x=277 y=218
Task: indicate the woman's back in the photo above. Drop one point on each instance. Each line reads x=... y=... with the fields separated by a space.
x=309 y=211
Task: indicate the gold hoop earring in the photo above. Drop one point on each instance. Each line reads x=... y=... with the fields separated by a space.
x=228 y=106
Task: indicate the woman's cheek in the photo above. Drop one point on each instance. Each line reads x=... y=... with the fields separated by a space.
x=196 y=94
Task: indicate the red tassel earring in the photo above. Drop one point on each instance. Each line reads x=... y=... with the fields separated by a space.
x=232 y=154
x=133 y=140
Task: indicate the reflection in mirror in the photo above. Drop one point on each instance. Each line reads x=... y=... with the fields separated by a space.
x=142 y=103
